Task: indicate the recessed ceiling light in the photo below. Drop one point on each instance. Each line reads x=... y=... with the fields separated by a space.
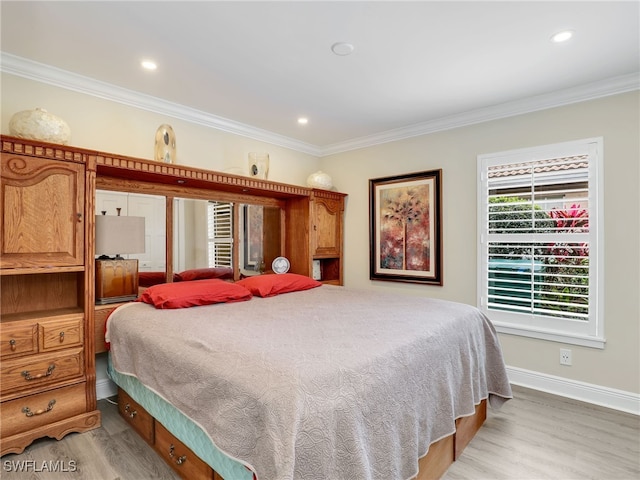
x=562 y=36
x=149 y=65
x=303 y=120
x=342 y=48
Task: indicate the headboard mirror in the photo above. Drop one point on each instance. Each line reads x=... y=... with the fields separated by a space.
x=260 y=237
x=191 y=234
x=204 y=233
x=152 y=208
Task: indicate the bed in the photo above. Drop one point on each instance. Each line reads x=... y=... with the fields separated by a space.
x=320 y=382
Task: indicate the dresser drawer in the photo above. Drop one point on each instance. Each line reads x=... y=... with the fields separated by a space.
x=18 y=338
x=181 y=459
x=34 y=411
x=60 y=333
x=35 y=371
x=136 y=416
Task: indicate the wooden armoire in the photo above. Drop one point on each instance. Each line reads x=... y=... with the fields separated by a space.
x=47 y=377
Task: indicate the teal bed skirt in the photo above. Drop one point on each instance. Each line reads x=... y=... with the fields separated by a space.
x=182 y=427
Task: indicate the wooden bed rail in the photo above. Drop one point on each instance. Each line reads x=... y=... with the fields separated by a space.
x=431 y=467
x=444 y=452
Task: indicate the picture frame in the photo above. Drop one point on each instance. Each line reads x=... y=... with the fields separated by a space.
x=405 y=228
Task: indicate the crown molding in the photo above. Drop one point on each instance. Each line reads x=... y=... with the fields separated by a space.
x=582 y=93
x=61 y=78
x=47 y=74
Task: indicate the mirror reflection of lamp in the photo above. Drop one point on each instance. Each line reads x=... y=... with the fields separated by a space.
x=117 y=277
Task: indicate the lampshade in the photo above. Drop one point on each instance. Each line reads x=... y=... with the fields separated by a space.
x=116 y=235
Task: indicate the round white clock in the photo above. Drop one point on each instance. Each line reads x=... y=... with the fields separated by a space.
x=280 y=265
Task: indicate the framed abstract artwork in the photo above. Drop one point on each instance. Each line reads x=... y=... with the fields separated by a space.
x=405 y=228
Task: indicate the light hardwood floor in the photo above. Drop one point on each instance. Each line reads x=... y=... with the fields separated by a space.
x=539 y=436
x=534 y=436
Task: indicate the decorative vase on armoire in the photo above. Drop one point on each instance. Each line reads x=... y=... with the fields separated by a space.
x=38 y=124
x=165 y=146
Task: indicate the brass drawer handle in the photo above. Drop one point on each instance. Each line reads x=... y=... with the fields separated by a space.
x=131 y=413
x=27 y=411
x=12 y=342
x=61 y=337
x=27 y=375
x=180 y=460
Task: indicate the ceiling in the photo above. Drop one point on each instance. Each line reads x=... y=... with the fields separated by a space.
x=261 y=65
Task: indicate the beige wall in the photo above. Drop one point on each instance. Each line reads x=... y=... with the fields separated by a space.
x=616 y=119
x=112 y=127
x=116 y=128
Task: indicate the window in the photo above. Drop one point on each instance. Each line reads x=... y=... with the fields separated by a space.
x=220 y=234
x=539 y=259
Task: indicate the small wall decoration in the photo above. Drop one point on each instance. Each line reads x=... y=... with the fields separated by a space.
x=405 y=231
x=258 y=165
x=165 y=145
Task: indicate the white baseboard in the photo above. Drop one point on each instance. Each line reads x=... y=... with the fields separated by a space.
x=586 y=392
x=105 y=388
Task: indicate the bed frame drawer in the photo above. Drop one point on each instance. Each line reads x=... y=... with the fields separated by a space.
x=179 y=457
x=45 y=408
x=136 y=416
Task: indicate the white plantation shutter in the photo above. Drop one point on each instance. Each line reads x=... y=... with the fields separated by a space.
x=220 y=234
x=538 y=232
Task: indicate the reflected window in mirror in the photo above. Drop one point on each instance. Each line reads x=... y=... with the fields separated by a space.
x=220 y=234
x=202 y=234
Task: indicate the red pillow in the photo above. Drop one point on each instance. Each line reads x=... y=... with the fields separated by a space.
x=204 y=273
x=191 y=294
x=269 y=285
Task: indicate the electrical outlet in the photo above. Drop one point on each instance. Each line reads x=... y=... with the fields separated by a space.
x=565 y=356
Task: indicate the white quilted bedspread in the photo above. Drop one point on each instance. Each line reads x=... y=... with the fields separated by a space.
x=325 y=384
